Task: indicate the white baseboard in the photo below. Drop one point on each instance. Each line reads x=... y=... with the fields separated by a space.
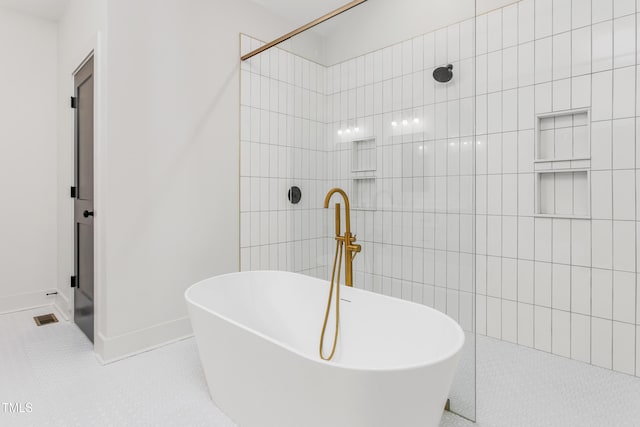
x=26 y=301
x=112 y=349
x=107 y=349
x=62 y=304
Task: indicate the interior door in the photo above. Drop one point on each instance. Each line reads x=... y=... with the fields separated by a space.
x=83 y=204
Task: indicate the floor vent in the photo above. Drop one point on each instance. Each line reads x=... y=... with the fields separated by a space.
x=45 y=319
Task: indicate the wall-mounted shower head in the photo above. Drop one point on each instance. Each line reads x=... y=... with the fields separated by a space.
x=443 y=74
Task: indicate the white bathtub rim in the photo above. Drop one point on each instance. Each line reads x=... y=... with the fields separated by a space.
x=457 y=348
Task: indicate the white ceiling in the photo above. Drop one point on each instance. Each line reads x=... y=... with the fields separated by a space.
x=300 y=11
x=46 y=9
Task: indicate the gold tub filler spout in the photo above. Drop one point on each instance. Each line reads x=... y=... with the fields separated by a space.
x=343 y=241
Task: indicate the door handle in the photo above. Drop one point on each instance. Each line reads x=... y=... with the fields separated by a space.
x=87 y=214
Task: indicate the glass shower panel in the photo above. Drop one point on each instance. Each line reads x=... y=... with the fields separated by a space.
x=283 y=161
x=308 y=165
x=357 y=107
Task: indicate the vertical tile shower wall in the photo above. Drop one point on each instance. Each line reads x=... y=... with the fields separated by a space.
x=562 y=285
x=559 y=284
x=283 y=133
x=417 y=232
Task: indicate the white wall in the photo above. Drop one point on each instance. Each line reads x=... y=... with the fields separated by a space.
x=27 y=160
x=380 y=23
x=309 y=45
x=172 y=166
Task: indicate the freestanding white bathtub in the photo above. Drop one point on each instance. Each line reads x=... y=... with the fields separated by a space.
x=258 y=332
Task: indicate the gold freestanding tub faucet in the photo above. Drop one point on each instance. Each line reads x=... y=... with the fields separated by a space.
x=350 y=251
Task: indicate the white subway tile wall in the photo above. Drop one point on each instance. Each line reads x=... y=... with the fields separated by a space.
x=283 y=134
x=574 y=280
x=418 y=235
x=562 y=285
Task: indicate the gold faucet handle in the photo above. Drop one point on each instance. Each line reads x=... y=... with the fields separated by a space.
x=355 y=248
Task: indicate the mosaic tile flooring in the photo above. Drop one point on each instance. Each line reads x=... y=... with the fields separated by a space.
x=522 y=387
x=53 y=367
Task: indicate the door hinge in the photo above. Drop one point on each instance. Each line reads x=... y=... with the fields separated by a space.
x=73 y=192
x=74 y=282
x=74 y=103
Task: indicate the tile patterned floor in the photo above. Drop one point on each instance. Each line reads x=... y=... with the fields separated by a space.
x=53 y=367
x=519 y=386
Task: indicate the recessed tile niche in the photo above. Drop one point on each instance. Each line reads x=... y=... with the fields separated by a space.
x=563 y=164
x=563 y=193
x=563 y=136
x=363 y=168
x=363 y=155
x=364 y=193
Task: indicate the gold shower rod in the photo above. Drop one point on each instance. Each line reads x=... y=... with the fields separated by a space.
x=305 y=27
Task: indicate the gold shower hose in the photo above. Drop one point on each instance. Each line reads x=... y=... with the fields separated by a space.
x=337 y=259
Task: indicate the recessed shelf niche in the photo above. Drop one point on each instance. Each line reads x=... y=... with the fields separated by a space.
x=562 y=164
x=364 y=160
x=364 y=193
x=563 y=136
x=363 y=155
x=563 y=193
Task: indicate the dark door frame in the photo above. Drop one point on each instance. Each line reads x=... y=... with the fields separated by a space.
x=83 y=222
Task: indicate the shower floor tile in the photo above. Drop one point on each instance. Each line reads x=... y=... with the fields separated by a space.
x=53 y=368
x=523 y=387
